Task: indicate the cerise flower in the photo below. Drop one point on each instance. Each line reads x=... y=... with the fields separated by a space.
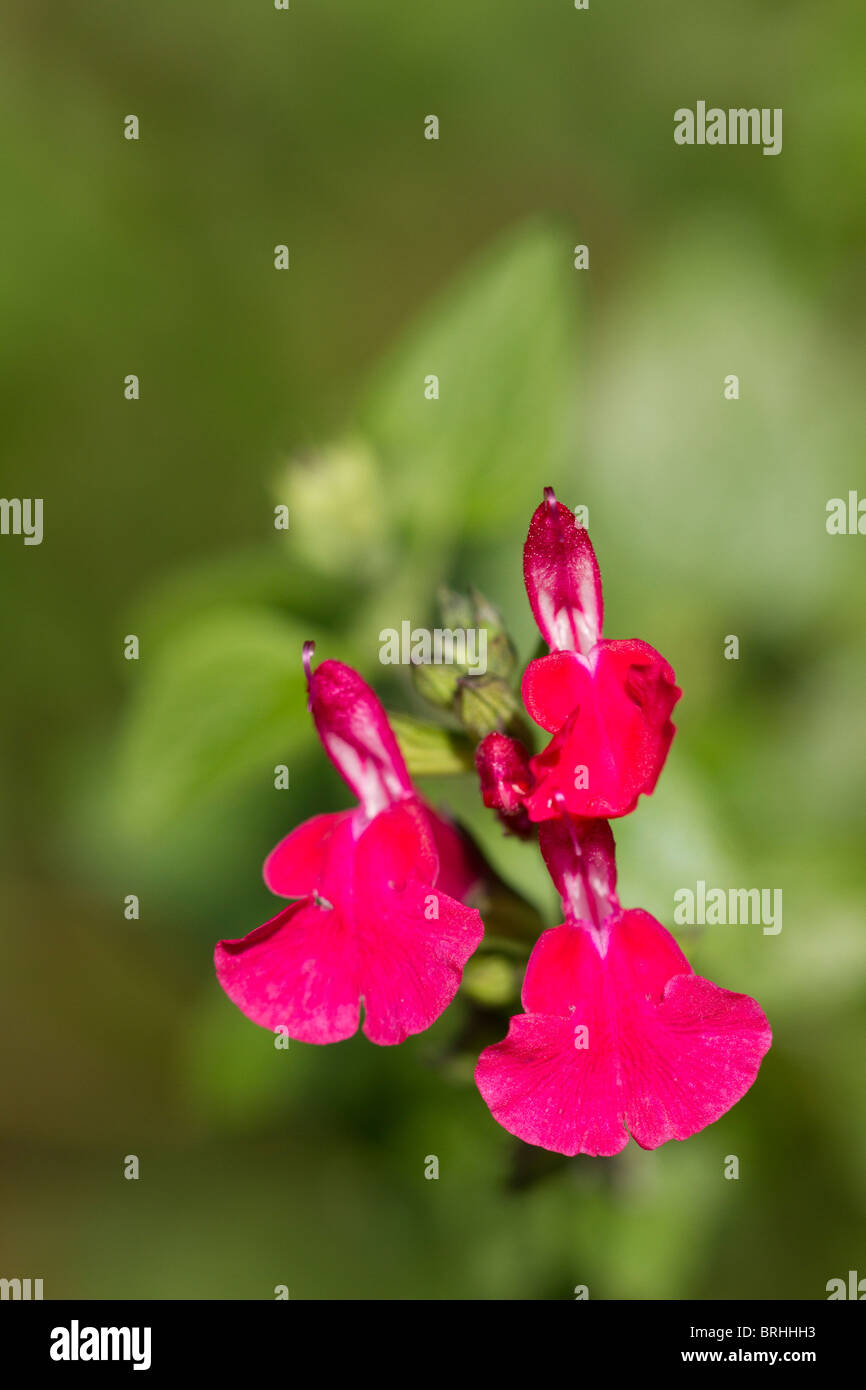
x=378 y=921
x=607 y=703
x=619 y=1036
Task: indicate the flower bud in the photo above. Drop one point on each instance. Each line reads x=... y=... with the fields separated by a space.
x=435 y=684
x=485 y=704
x=501 y=653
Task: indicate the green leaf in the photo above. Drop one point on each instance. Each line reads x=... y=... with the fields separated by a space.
x=502 y=343
x=430 y=750
x=221 y=701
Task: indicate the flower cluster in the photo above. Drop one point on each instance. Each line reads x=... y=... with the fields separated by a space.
x=618 y=1036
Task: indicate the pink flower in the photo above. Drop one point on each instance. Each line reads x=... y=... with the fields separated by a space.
x=377 y=919
x=607 y=703
x=619 y=1036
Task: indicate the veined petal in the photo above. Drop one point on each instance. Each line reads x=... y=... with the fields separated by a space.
x=631 y=1041
x=414 y=939
x=376 y=933
x=357 y=737
x=581 y=859
x=562 y=578
x=300 y=971
x=294 y=868
x=612 y=747
x=554 y=686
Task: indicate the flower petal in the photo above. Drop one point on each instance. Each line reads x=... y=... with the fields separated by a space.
x=613 y=744
x=581 y=859
x=414 y=939
x=562 y=578
x=294 y=868
x=299 y=971
x=376 y=932
x=553 y=688
x=664 y=1052
x=357 y=737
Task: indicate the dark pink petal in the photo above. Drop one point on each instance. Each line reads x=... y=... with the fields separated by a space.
x=581 y=859
x=613 y=744
x=667 y=1053
x=562 y=578
x=357 y=737
x=553 y=687
x=295 y=866
x=300 y=971
x=376 y=932
x=532 y=1091
x=645 y=956
x=414 y=939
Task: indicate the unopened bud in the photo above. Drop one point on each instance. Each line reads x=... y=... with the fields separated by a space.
x=501 y=653
x=436 y=684
x=485 y=704
x=457 y=609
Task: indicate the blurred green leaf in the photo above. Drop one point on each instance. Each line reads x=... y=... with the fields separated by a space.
x=502 y=344
x=431 y=750
x=222 y=700
x=270 y=576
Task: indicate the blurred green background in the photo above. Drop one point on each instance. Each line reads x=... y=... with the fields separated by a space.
x=155 y=777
